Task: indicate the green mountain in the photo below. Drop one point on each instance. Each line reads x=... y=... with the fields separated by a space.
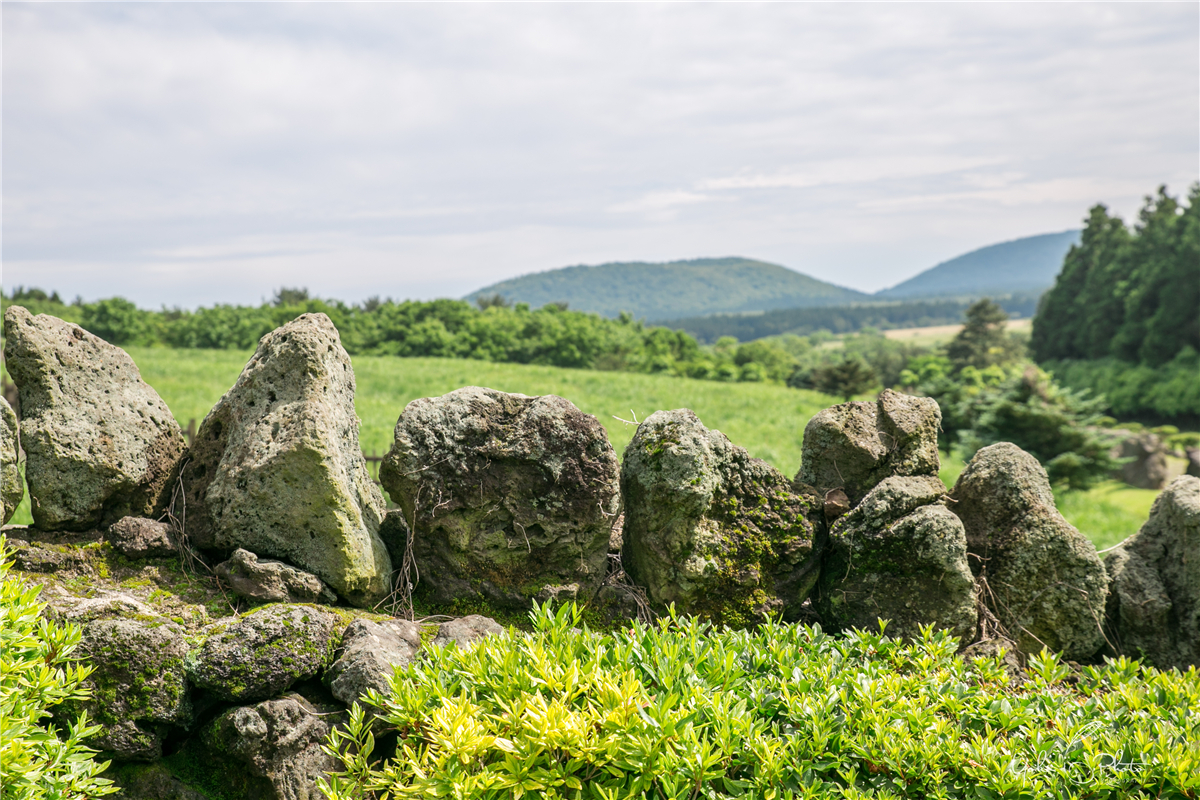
x=1022 y=265
x=673 y=289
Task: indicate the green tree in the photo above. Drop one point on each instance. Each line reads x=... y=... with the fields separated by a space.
x=119 y=321
x=983 y=341
x=844 y=379
x=38 y=760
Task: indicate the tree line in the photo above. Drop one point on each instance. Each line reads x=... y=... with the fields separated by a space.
x=1123 y=318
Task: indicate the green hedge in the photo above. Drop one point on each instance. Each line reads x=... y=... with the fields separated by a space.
x=1139 y=391
x=683 y=710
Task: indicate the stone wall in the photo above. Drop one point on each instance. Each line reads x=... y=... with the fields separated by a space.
x=237 y=595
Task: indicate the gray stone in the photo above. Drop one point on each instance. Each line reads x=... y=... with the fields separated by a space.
x=1193 y=461
x=899 y=555
x=370 y=653
x=1040 y=577
x=276 y=466
x=99 y=443
x=711 y=529
x=264 y=652
x=138 y=689
x=271 y=750
x=271 y=581
x=138 y=537
x=508 y=494
x=12 y=488
x=854 y=446
x=466 y=631
x=1147 y=467
x=149 y=782
x=1154 y=594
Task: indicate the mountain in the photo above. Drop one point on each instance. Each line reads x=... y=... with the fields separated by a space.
x=673 y=289
x=1022 y=265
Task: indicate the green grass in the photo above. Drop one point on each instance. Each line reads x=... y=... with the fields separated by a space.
x=766 y=419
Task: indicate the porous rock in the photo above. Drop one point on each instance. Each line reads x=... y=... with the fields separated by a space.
x=1154 y=594
x=149 y=782
x=1040 y=577
x=899 y=555
x=138 y=686
x=99 y=443
x=854 y=446
x=276 y=467
x=507 y=494
x=271 y=750
x=466 y=631
x=138 y=537
x=271 y=581
x=370 y=653
x=12 y=489
x=1147 y=466
x=711 y=529
x=264 y=652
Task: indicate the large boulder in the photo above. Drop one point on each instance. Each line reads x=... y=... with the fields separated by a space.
x=12 y=489
x=370 y=653
x=1154 y=594
x=271 y=581
x=1146 y=465
x=276 y=467
x=264 y=652
x=854 y=446
x=508 y=495
x=1040 y=577
x=272 y=750
x=711 y=529
x=138 y=686
x=899 y=555
x=99 y=443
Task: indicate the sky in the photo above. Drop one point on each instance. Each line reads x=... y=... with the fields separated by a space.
x=188 y=154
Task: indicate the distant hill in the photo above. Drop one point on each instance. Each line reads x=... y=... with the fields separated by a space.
x=1022 y=265
x=673 y=289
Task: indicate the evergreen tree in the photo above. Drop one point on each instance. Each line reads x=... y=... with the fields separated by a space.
x=844 y=379
x=983 y=341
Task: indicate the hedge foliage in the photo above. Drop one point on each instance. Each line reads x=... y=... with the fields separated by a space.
x=680 y=709
x=38 y=760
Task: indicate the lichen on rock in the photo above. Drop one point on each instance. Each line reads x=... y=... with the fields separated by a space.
x=370 y=652
x=711 y=529
x=276 y=466
x=507 y=495
x=899 y=555
x=12 y=488
x=264 y=652
x=99 y=443
x=271 y=581
x=1154 y=590
x=854 y=446
x=1040 y=577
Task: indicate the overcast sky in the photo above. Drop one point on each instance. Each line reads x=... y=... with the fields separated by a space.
x=187 y=154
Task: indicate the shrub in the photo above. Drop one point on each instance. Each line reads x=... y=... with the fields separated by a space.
x=680 y=709
x=36 y=673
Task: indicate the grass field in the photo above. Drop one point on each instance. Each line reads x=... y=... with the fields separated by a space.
x=768 y=420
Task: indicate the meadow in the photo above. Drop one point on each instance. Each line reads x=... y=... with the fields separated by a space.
x=767 y=419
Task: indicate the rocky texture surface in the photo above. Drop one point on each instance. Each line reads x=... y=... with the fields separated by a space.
x=370 y=653
x=276 y=466
x=138 y=537
x=1147 y=467
x=1154 y=594
x=1193 y=461
x=271 y=750
x=508 y=494
x=12 y=490
x=466 y=631
x=271 y=581
x=99 y=443
x=149 y=782
x=711 y=529
x=264 y=652
x=1040 y=577
x=138 y=687
x=899 y=555
x=854 y=446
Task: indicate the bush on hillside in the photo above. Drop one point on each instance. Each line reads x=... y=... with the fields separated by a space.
x=680 y=709
x=38 y=760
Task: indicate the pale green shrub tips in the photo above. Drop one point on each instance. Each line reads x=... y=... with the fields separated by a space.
x=36 y=672
x=681 y=709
